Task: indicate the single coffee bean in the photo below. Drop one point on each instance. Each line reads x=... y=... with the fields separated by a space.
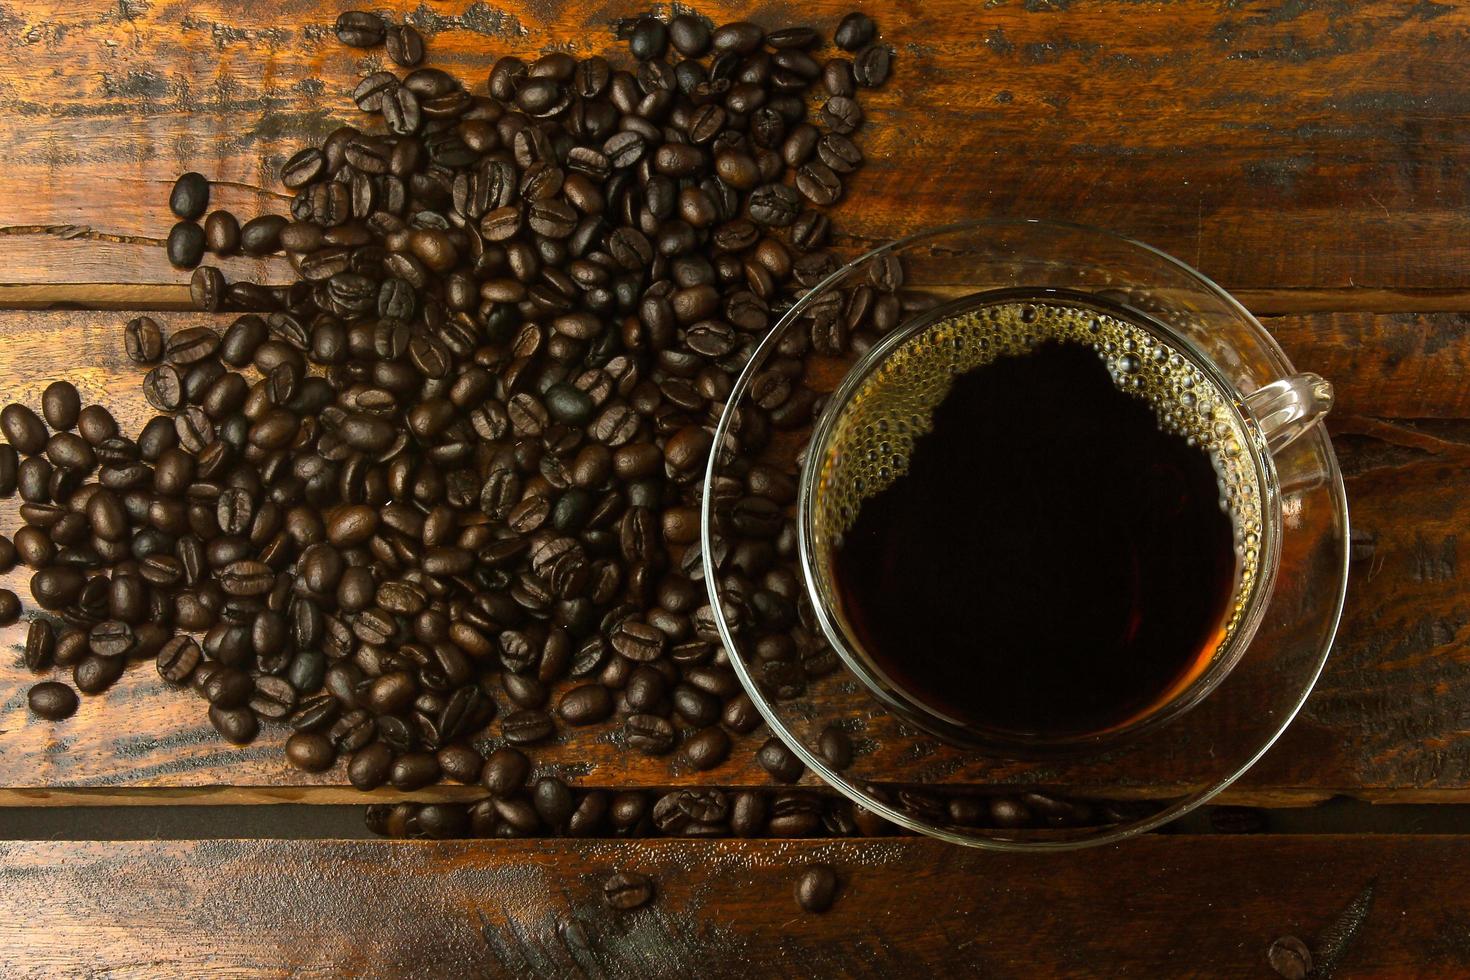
x=873 y=65
x=190 y=196
x=9 y=607
x=178 y=658
x=627 y=890
x=775 y=758
x=648 y=734
x=369 y=766
x=207 y=288
x=222 y=233
x=185 y=245
x=413 y=770
x=236 y=725
x=61 y=404
x=112 y=638
x=526 y=727
x=52 y=700
x=505 y=771
x=405 y=45
x=93 y=674
x=707 y=749
x=262 y=235
x=40 y=646
x=310 y=751
x=1289 y=957
x=854 y=31
x=690 y=35
x=273 y=697
x=143 y=340
x=360 y=29
x=835 y=747
x=585 y=704
x=23 y=428
x=816 y=888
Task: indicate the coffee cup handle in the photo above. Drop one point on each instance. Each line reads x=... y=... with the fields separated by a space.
x=1290 y=407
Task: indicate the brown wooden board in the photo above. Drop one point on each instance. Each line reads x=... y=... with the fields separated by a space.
x=1386 y=723
x=1276 y=146
x=1154 y=907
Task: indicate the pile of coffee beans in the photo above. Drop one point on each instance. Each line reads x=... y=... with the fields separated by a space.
x=438 y=500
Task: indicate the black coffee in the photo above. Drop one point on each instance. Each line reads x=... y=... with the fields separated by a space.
x=1053 y=562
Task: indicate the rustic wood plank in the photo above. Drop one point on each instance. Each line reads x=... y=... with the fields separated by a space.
x=1386 y=724
x=1154 y=907
x=1273 y=145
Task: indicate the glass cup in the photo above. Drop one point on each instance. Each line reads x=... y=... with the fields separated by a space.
x=864 y=434
x=915 y=767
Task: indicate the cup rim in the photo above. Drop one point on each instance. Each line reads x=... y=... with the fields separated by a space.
x=836 y=780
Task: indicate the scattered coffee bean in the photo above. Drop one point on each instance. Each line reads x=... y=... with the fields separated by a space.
x=189 y=197
x=627 y=890
x=816 y=888
x=52 y=700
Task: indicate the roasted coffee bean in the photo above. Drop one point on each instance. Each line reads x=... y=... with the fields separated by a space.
x=816 y=888
x=9 y=607
x=190 y=196
x=842 y=114
x=222 y=233
x=1291 y=958
x=369 y=766
x=707 y=749
x=873 y=65
x=690 y=35
x=40 y=645
x=185 y=245
x=360 y=29
x=526 y=727
x=783 y=765
x=246 y=578
x=23 y=429
x=93 y=674
x=112 y=638
x=648 y=734
x=207 y=288
x=236 y=725
x=61 y=404
x=405 y=45
x=310 y=751
x=835 y=747
x=627 y=890
x=585 y=705
x=52 y=700
x=178 y=658
x=413 y=770
x=505 y=771
x=163 y=387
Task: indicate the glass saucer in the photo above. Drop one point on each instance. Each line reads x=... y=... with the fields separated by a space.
x=978 y=797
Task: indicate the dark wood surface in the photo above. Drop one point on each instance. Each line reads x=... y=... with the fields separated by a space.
x=1309 y=156
x=1155 y=907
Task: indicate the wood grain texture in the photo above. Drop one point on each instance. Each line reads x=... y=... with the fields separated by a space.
x=1154 y=907
x=1272 y=144
x=1385 y=724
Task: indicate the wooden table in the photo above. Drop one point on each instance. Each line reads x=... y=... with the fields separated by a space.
x=1310 y=157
